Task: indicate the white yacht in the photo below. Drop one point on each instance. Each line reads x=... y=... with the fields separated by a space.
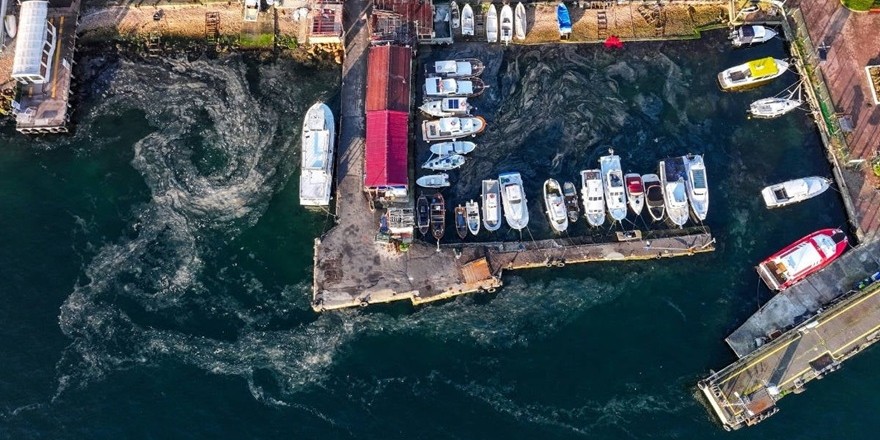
x=444 y=163
x=521 y=23
x=697 y=186
x=447 y=129
x=751 y=34
x=672 y=181
x=491 y=205
x=506 y=24
x=513 y=198
x=455 y=68
x=612 y=181
x=794 y=191
x=492 y=24
x=454 y=147
x=635 y=192
x=433 y=181
x=446 y=107
x=467 y=20
x=436 y=86
x=473 y=216
x=594 y=197
x=318 y=138
x=555 y=203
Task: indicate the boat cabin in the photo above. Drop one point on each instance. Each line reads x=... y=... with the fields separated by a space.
x=756 y=69
x=447 y=87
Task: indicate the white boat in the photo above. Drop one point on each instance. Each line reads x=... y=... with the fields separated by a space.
x=447 y=129
x=444 y=163
x=433 y=181
x=769 y=108
x=10 y=25
x=672 y=179
x=612 y=181
x=654 y=196
x=513 y=199
x=492 y=25
x=794 y=191
x=445 y=107
x=456 y=19
x=318 y=137
x=635 y=192
x=555 y=203
x=473 y=217
x=751 y=74
x=462 y=68
x=436 y=86
x=751 y=34
x=520 y=25
x=697 y=186
x=506 y=24
x=594 y=197
x=456 y=147
x=491 y=205
x=467 y=20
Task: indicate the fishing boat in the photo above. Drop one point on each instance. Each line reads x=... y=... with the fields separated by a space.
x=654 y=196
x=317 y=156
x=461 y=226
x=491 y=205
x=492 y=24
x=635 y=192
x=444 y=163
x=697 y=186
x=462 y=68
x=564 y=20
x=794 y=191
x=446 y=107
x=752 y=74
x=569 y=191
x=473 y=216
x=513 y=199
x=506 y=24
x=433 y=181
x=456 y=147
x=520 y=25
x=751 y=34
x=467 y=20
x=438 y=216
x=594 y=197
x=672 y=177
x=447 y=129
x=612 y=181
x=10 y=25
x=555 y=203
x=423 y=214
x=802 y=258
x=456 y=19
x=436 y=86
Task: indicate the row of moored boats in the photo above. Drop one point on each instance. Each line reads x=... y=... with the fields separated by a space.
x=511 y=22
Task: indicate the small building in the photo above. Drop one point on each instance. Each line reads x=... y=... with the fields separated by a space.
x=401 y=21
x=389 y=71
x=325 y=22
x=35 y=44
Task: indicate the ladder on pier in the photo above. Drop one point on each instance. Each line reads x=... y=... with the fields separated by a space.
x=212 y=27
x=602 y=21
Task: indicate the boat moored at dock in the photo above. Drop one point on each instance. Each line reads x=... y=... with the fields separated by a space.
x=436 y=87
x=433 y=181
x=506 y=24
x=462 y=68
x=794 y=191
x=520 y=24
x=492 y=24
x=569 y=191
x=461 y=227
x=444 y=163
x=467 y=20
x=318 y=138
x=446 y=107
x=438 y=216
x=672 y=181
x=654 y=197
x=513 y=199
x=555 y=203
x=491 y=205
x=456 y=16
x=751 y=34
x=751 y=74
x=448 y=129
x=612 y=182
x=802 y=258
x=594 y=197
x=635 y=192
x=473 y=216
x=697 y=186
x=454 y=147
x=423 y=215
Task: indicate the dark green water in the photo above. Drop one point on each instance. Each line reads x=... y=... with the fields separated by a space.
x=156 y=266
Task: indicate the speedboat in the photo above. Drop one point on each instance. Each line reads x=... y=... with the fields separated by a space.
x=594 y=197
x=473 y=216
x=461 y=226
x=751 y=74
x=492 y=24
x=444 y=163
x=423 y=214
x=438 y=216
x=654 y=196
x=520 y=25
x=635 y=192
x=612 y=181
x=436 y=86
x=672 y=181
x=564 y=20
x=506 y=24
x=455 y=147
x=443 y=108
x=462 y=68
x=697 y=186
x=794 y=191
x=751 y=34
x=555 y=204
x=317 y=156
x=569 y=191
x=433 y=181
x=513 y=198
x=491 y=205
x=467 y=20
x=448 y=129
x=802 y=258
x=456 y=19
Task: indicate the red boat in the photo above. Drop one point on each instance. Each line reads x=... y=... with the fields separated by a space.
x=802 y=258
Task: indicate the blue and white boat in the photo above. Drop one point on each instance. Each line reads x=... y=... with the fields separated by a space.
x=564 y=20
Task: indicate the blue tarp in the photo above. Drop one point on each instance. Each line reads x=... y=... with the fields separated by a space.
x=563 y=18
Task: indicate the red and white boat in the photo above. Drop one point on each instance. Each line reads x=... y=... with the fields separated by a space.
x=802 y=258
x=635 y=192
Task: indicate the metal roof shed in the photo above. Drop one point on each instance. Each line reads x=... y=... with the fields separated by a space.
x=388 y=78
x=35 y=44
x=386 y=155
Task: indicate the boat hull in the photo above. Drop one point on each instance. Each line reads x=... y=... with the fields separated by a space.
x=554 y=201
x=769 y=108
x=433 y=130
x=491 y=197
x=423 y=215
x=461 y=227
x=467 y=20
x=438 y=216
x=654 y=197
x=433 y=181
x=832 y=242
x=730 y=82
x=492 y=25
x=514 y=201
x=473 y=217
x=520 y=22
x=793 y=191
x=318 y=148
x=593 y=196
x=506 y=20
x=612 y=181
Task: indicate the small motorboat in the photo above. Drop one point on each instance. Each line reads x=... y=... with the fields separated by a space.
x=448 y=129
x=569 y=192
x=697 y=186
x=461 y=226
x=492 y=24
x=473 y=216
x=467 y=20
x=635 y=192
x=672 y=177
x=751 y=34
x=455 y=147
x=594 y=197
x=318 y=139
x=612 y=181
x=444 y=163
x=513 y=199
x=433 y=181
x=555 y=203
x=564 y=20
x=751 y=74
x=436 y=86
x=423 y=215
x=462 y=68
x=794 y=191
x=446 y=107
x=802 y=258
x=10 y=25
x=491 y=205
x=520 y=25
x=438 y=216
x=456 y=19
x=654 y=196
x=506 y=24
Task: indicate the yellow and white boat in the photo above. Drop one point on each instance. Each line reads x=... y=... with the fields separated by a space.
x=751 y=74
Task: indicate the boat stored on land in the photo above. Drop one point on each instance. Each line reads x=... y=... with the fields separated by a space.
x=555 y=203
x=438 y=216
x=520 y=25
x=506 y=24
x=594 y=197
x=751 y=34
x=447 y=129
x=672 y=181
x=492 y=24
x=635 y=192
x=564 y=20
x=454 y=147
x=654 y=196
x=462 y=68
x=436 y=86
x=794 y=191
x=444 y=163
x=697 y=185
x=491 y=205
x=456 y=19
x=513 y=198
x=446 y=107
x=802 y=258
x=569 y=191
x=433 y=180
x=612 y=181
x=10 y=25
x=751 y=74
x=318 y=138
x=423 y=214
x=473 y=216
x=461 y=227
x=467 y=20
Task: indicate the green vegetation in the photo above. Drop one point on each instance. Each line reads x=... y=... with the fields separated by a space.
x=256 y=41
x=860 y=5
x=287 y=42
x=875 y=165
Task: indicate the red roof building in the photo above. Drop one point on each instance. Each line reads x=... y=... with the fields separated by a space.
x=386 y=162
x=401 y=21
x=388 y=78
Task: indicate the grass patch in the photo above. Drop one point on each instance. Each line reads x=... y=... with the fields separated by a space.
x=859 y=5
x=256 y=41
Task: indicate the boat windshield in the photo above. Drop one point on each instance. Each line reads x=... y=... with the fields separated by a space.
x=801 y=258
x=698 y=178
x=826 y=244
x=614 y=180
